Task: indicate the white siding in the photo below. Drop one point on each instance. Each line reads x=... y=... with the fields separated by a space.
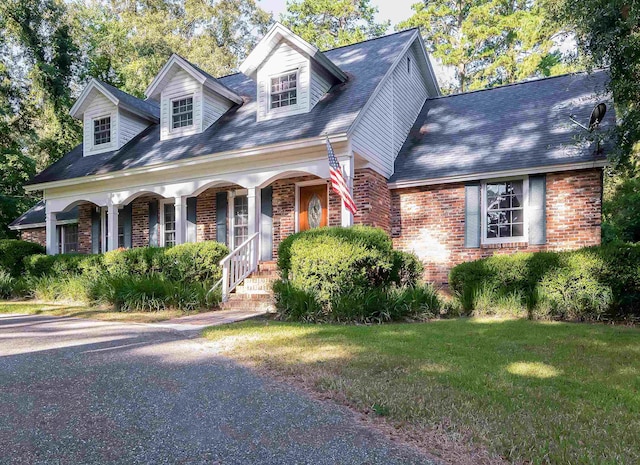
x=320 y=83
x=130 y=126
x=99 y=107
x=214 y=106
x=180 y=85
x=282 y=59
x=384 y=126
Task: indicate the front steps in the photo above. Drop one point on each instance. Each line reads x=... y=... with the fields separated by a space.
x=255 y=294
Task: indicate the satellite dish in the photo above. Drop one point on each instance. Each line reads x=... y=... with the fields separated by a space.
x=596 y=116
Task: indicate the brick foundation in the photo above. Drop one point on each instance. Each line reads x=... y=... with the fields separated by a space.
x=36 y=235
x=429 y=221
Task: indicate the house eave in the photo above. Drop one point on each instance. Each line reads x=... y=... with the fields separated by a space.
x=498 y=174
x=265 y=149
x=22 y=227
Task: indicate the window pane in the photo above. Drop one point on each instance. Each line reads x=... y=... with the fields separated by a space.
x=71 y=238
x=102 y=131
x=504 y=214
x=284 y=90
x=182 y=112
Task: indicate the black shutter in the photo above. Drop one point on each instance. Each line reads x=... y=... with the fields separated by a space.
x=472 y=216
x=127 y=226
x=191 y=219
x=266 y=223
x=221 y=217
x=153 y=223
x=537 y=210
x=96 y=236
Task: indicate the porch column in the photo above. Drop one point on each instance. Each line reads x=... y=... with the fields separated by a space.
x=112 y=226
x=347 y=167
x=51 y=232
x=252 y=192
x=180 y=205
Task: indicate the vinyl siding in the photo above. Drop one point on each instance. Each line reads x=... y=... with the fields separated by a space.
x=130 y=126
x=180 y=85
x=282 y=59
x=99 y=107
x=320 y=83
x=384 y=126
x=214 y=106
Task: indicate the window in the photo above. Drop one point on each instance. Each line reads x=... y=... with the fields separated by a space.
x=284 y=90
x=409 y=66
x=121 y=232
x=182 y=113
x=68 y=238
x=240 y=219
x=102 y=131
x=504 y=211
x=168 y=223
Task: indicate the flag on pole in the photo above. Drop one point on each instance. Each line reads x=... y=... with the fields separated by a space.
x=338 y=182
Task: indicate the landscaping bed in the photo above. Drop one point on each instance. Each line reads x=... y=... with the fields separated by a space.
x=529 y=391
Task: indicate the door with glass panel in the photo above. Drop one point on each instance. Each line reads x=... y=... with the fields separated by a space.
x=169 y=225
x=239 y=220
x=312 y=207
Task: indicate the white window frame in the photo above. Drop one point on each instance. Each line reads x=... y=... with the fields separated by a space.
x=182 y=129
x=162 y=203
x=313 y=182
x=231 y=195
x=298 y=92
x=525 y=212
x=62 y=230
x=104 y=145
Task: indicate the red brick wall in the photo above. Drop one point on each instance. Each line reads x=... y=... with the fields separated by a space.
x=37 y=235
x=429 y=221
x=84 y=227
x=373 y=199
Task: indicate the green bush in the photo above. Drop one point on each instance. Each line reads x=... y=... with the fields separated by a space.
x=406 y=269
x=7 y=282
x=141 y=261
x=199 y=261
x=13 y=253
x=59 y=265
x=588 y=284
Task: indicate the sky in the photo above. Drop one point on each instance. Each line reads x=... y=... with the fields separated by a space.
x=393 y=10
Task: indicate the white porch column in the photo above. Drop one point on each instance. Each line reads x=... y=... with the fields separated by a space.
x=180 y=204
x=252 y=192
x=51 y=232
x=347 y=167
x=112 y=226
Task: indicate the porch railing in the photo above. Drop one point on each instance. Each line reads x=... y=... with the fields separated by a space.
x=239 y=264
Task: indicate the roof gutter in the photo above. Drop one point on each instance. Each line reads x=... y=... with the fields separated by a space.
x=310 y=142
x=498 y=174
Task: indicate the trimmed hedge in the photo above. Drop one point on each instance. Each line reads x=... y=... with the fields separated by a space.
x=592 y=283
x=348 y=274
x=13 y=253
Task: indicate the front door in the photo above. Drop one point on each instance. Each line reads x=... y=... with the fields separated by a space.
x=312 y=207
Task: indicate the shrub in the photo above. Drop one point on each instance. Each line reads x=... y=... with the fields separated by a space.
x=142 y=261
x=13 y=252
x=406 y=269
x=59 y=265
x=373 y=238
x=7 y=282
x=199 y=261
x=590 y=283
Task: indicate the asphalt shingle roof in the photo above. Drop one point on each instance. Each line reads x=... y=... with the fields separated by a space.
x=517 y=126
x=37 y=215
x=365 y=63
x=146 y=107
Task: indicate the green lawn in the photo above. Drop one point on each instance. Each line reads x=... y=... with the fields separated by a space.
x=31 y=308
x=529 y=391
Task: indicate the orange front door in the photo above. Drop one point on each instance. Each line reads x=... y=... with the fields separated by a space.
x=313 y=207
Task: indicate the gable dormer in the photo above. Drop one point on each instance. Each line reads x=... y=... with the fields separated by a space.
x=111 y=117
x=291 y=74
x=190 y=99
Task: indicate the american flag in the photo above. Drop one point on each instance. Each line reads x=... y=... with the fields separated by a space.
x=338 y=183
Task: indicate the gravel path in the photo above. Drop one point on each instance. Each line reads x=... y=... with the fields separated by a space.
x=77 y=391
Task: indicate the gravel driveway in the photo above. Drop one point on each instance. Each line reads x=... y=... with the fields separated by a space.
x=77 y=391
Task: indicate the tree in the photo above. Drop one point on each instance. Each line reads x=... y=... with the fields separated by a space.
x=487 y=42
x=333 y=23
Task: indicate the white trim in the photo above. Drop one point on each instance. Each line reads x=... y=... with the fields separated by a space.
x=272 y=38
x=20 y=227
x=183 y=130
x=432 y=73
x=85 y=93
x=161 y=204
x=93 y=146
x=499 y=174
x=312 y=182
x=484 y=240
x=265 y=149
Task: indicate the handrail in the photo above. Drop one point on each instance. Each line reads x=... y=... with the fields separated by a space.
x=239 y=264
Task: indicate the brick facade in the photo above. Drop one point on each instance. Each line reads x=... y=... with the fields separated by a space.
x=37 y=235
x=373 y=199
x=429 y=221
x=84 y=227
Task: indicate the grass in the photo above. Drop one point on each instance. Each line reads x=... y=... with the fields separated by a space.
x=105 y=314
x=531 y=392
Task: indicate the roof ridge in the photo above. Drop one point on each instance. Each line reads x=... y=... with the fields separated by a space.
x=513 y=84
x=370 y=39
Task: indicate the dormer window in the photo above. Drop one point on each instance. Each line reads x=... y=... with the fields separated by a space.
x=284 y=90
x=182 y=114
x=102 y=131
